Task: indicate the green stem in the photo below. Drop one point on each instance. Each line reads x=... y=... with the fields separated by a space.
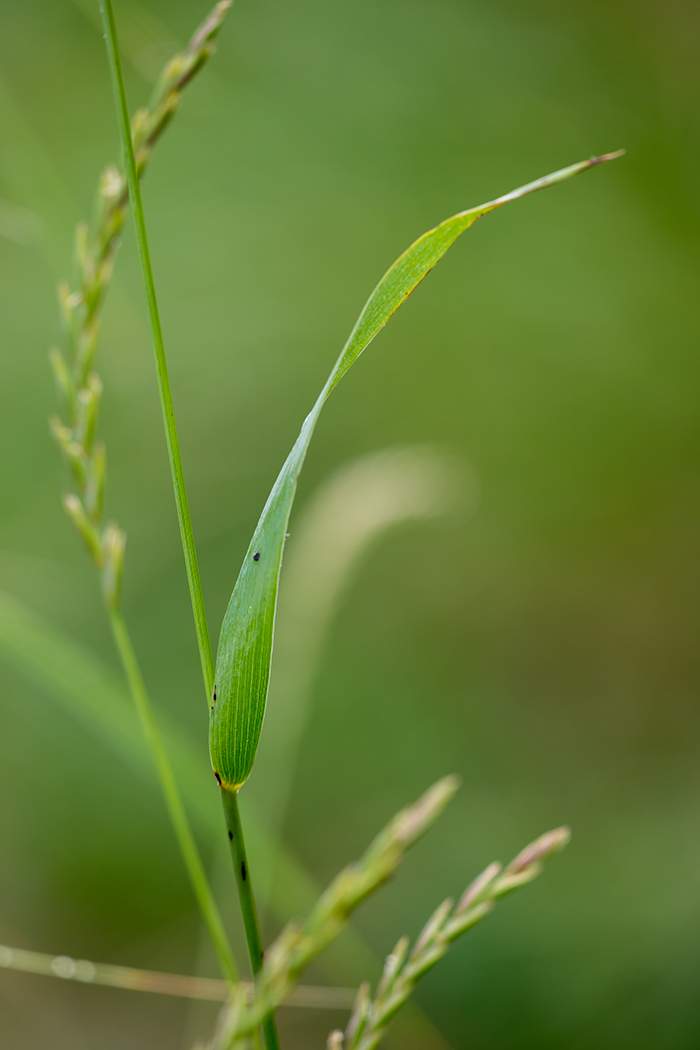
x=245 y=891
x=166 y=400
x=173 y=801
x=245 y=895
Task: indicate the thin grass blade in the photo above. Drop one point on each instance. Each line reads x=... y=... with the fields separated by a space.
x=242 y=673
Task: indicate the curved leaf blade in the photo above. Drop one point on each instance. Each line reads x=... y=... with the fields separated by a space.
x=244 y=654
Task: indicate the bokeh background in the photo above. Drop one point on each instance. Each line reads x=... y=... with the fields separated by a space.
x=545 y=648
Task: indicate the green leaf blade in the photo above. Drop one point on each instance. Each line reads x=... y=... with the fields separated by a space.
x=244 y=653
x=244 y=656
x=402 y=278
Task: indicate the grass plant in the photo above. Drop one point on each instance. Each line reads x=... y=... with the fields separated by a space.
x=237 y=684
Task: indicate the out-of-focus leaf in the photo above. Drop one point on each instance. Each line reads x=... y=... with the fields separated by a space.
x=75 y=677
x=245 y=644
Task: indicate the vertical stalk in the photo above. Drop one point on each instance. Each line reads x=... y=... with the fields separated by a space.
x=246 y=897
x=178 y=816
x=245 y=892
x=166 y=399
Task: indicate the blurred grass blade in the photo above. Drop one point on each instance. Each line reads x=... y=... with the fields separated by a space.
x=185 y=987
x=245 y=646
x=76 y=678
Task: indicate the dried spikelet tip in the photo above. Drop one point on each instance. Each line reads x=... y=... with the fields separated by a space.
x=174 y=69
x=209 y=27
x=359 y=1011
x=113 y=547
x=68 y=302
x=429 y=806
x=550 y=842
x=140 y=127
x=392 y=965
x=480 y=884
x=76 y=512
x=604 y=157
x=433 y=926
x=111 y=183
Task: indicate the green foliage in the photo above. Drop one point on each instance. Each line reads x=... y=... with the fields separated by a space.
x=239 y=685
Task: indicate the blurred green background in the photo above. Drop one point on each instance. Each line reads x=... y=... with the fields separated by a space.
x=546 y=649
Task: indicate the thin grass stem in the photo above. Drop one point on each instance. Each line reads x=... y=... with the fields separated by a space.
x=247 y=901
x=176 y=809
x=166 y=400
x=127 y=977
x=246 y=897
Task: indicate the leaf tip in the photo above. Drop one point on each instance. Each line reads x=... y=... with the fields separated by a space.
x=605 y=157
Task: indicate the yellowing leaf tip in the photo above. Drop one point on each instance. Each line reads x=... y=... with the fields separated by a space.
x=605 y=157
